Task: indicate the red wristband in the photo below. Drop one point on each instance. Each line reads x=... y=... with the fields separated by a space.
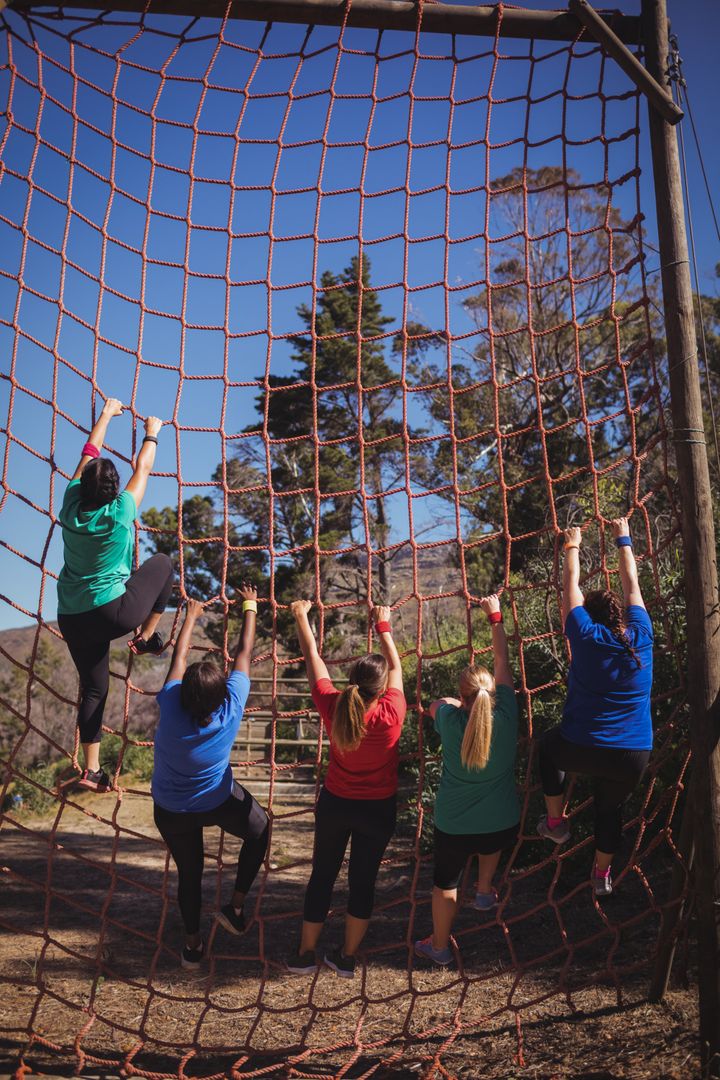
x=495 y=617
x=383 y=628
x=89 y=450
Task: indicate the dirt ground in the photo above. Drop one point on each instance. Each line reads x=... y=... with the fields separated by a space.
x=89 y=966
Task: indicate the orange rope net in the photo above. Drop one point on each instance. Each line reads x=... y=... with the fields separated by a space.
x=172 y=193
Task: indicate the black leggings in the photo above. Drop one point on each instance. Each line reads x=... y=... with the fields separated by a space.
x=88 y=636
x=452 y=851
x=616 y=774
x=368 y=824
x=240 y=815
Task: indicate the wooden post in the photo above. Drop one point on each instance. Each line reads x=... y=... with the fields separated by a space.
x=651 y=88
x=673 y=914
x=699 y=552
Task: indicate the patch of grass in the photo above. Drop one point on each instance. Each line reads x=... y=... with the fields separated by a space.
x=136 y=760
x=36 y=786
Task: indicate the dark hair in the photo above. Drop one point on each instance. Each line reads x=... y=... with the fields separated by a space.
x=604 y=607
x=366 y=680
x=202 y=691
x=99 y=483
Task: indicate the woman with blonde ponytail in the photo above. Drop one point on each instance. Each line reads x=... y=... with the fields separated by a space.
x=358 y=799
x=477 y=811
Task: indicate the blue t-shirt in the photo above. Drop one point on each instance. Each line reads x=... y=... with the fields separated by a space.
x=191 y=771
x=608 y=699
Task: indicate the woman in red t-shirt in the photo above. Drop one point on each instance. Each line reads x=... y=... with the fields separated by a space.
x=358 y=799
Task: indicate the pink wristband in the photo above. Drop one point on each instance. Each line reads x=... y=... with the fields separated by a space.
x=495 y=617
x=89 y=450
x=383 y=628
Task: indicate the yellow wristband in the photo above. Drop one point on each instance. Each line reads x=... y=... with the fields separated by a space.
x=249 y=605
x=569 y=547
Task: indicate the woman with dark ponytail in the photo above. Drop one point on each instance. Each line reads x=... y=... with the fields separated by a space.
x=99 y=596
x=477 y=811
x=357 y=802
x=606 y=730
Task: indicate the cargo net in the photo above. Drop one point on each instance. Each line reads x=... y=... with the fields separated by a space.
x=388 y=293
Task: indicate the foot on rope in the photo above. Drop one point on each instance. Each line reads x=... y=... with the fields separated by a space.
x=92 y=780
x=486 y=901
x=191 y=959
x=302 y=963
x=342 y=965
x=152 y=646
x=559 y=832
x=427 y=950
x=602 y=882
x=231 y=920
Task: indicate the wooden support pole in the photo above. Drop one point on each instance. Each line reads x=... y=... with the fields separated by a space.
x=699 y=551
x=653 y=90
x=439 y=18
x=673 y=913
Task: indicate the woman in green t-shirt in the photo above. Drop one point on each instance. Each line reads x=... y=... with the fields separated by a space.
x=477 y=811
x=99 y=596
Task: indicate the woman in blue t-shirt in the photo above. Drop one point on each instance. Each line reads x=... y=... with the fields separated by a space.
x=192 y=783
x=476 y=810
x=100 y=598
x=606 y=730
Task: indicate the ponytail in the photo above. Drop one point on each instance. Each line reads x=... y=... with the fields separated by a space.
x=475 y=749
x=368 y=679
x=349 y=721
x=604 y=607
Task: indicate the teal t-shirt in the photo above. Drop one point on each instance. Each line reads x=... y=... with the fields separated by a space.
x=478 y=800
x=98 y=548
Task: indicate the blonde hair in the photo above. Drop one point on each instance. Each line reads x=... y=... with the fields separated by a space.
x=367 y=680
x=477 y=683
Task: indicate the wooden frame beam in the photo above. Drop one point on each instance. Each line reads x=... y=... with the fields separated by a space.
x=656 y=94
x=438 y=18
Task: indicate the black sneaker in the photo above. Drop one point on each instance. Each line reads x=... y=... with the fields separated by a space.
x=98 y=781
x=230 y=920
x=342 y=965
x=191 y=959
x=152 y=647
x=302 y=965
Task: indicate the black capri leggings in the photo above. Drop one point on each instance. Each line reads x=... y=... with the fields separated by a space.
x=368 y=824
x=88 y=636
x=616 y=773
x=240 y=815
x=452 y=851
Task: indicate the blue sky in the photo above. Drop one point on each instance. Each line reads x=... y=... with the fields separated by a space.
x=101 y=329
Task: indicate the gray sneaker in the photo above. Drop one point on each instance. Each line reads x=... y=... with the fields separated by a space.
x=559 y=835
x=426 y=949
x=602 y=884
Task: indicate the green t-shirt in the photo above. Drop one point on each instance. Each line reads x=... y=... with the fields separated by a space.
x=478 y=800
x=98 y=551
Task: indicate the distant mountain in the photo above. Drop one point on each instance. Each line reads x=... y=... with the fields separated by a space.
x=37 y=711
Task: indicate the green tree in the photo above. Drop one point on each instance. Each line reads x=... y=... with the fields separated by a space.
x=543 y=379
x=310 y=475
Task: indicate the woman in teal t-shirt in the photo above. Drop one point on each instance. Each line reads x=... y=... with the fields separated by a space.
x=477 y=811
x=99 y=597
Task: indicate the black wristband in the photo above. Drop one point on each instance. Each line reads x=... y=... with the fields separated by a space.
x=150 y=438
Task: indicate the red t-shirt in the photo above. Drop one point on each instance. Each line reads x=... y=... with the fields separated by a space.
x=371 y=771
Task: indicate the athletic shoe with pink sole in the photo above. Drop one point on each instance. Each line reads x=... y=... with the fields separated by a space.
x=94 y=780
